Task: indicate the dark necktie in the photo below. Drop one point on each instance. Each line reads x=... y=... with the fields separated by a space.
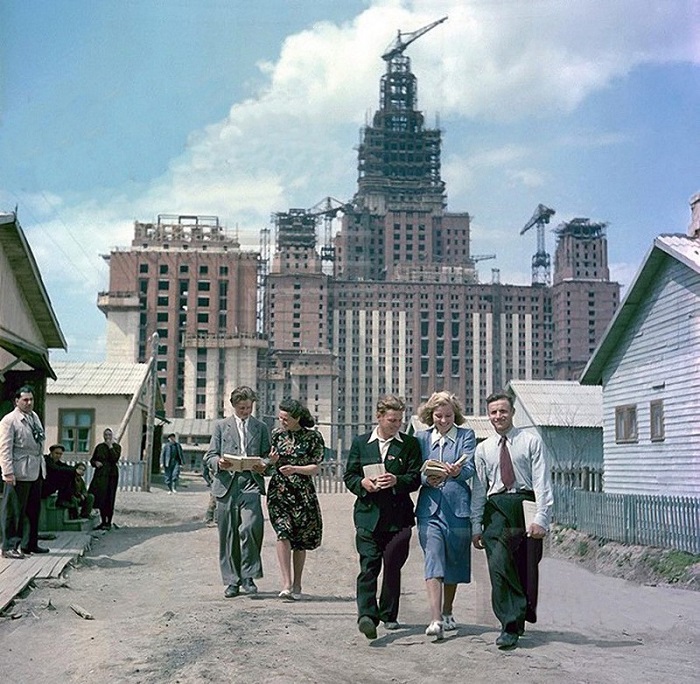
x=507 y=474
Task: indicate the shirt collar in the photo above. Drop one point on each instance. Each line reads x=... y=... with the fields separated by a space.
x=451 y=435
x=375 y=436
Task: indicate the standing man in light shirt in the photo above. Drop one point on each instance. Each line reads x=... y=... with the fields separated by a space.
x=510 y=468
x=239 y=513
x=383 y=512
x=23 y=468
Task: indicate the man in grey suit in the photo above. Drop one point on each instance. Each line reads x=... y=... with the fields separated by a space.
x=238 y=507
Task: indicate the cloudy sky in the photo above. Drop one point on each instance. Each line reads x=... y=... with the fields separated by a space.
x=114 y=111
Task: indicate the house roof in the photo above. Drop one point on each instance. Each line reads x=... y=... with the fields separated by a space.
x=684 y=249
x=560 y=403
x=97 y=378
x=21 y=260
x=192 y=426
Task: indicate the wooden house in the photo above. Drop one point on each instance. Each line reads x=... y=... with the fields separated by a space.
x=648 y=364
x=28 y=324
x=87 y=397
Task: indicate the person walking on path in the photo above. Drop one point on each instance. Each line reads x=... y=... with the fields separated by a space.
x=292 y=504
x=511 y=471
x=23 y=468
x=239 y=513
x=105 y=479
x=171 y=460
x=383 y=511
x=444 y=503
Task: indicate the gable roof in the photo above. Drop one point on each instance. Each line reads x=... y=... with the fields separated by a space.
x=680 y=247
x=559 y=403
x=89 y=378
x=21 y=260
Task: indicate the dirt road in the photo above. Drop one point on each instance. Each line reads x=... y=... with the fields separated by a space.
x=154 y=589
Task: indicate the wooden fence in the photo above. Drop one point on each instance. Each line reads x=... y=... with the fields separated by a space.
x=671 y=522
x=131 y=474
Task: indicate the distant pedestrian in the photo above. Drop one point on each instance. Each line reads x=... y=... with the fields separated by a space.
x=22 y=464
x=383 y=512
x=511 y=469
x=171 y=460
x=105 y=479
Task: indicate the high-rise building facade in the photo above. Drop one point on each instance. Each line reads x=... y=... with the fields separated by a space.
x=186 y=279
x=404 y=311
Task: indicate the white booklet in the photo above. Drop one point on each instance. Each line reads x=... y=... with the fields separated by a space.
x=373 y=470
x=529 y=512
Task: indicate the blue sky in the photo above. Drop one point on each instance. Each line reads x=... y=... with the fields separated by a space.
x=112 y=112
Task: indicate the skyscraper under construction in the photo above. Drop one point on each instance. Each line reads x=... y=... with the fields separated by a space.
x=403 y=311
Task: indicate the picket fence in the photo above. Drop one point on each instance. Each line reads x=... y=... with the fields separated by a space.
x=671 y=522
x=131 y=475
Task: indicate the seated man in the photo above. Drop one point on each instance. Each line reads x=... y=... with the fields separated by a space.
x=59 y=475
x=75 y=497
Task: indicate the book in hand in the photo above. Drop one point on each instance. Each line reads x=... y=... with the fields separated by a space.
x=241 y=463
x=373 y=470
x=432 y=467
x=529 y=512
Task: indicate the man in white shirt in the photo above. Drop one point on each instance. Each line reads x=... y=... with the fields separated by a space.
x=510 y=468
x=23 y=467
x=383 y=512
x=239 y=513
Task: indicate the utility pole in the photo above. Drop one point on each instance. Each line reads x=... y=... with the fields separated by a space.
x=151 y=415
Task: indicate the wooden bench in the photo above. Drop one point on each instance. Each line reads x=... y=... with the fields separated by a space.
x=56 y=518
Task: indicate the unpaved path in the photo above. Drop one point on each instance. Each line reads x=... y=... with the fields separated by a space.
x=153 y=587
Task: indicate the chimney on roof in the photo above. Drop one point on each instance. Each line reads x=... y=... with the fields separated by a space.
x=694 y=227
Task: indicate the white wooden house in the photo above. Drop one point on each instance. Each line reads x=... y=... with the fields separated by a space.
x=567 y=416
x=28 y=324
x=648 y=364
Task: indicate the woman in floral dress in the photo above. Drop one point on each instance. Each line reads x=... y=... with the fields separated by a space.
x=292 y=503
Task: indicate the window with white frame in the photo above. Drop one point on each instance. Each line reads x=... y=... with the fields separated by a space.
x=76 y=429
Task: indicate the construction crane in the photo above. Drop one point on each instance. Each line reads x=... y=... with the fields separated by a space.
x=482 y=257
x=403 y=40
x=541 y=262
x=328 y=208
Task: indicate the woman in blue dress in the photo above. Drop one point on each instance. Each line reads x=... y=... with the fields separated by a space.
x=444 y=502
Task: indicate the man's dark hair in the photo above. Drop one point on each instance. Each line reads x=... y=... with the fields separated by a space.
x=243 y=393
x=497 y=396
x=57 y=446
x=24 y=389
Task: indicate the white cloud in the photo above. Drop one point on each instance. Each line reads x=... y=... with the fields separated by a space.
x=292 y=143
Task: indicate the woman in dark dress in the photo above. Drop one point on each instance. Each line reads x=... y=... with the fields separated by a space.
x=105 y=478
x=292 y=503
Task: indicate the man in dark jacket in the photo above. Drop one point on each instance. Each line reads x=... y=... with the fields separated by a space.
x=59 y=475
x=382 y=469
x=171 y=459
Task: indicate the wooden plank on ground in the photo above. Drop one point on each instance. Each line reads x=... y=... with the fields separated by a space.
x=16 y=575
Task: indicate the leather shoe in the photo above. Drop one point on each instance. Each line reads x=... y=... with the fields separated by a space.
x=248 y=586
x=231 y=591
x=366 y=625
x=507 y=640
x=34 y=549
x=12 y=553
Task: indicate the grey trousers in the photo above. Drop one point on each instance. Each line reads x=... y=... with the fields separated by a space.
x=240 y=521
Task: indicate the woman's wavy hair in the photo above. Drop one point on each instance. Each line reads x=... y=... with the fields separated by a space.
x=437 y=399
x=298 y=411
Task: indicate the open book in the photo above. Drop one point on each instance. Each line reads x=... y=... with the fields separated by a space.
x=432 y=467
x=241 y=463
